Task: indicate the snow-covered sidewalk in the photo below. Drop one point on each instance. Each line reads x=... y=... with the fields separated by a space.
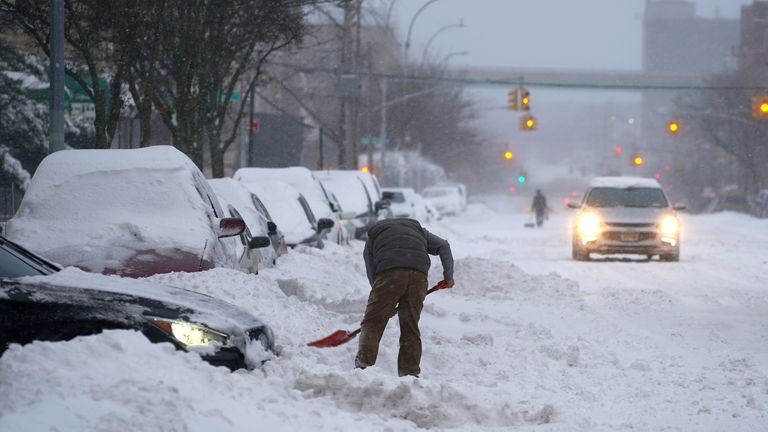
x=528 y=340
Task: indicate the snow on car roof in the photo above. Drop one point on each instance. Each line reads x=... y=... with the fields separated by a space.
x=299 y=177
x=96 y=208
x=368 y=180
x=625 y=182
x=282 y=202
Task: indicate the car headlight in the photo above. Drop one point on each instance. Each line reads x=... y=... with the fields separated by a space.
x=588 y=226
x=190 y=334
x=669 y=226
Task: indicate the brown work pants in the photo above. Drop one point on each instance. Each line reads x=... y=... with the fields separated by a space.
x=404 y=289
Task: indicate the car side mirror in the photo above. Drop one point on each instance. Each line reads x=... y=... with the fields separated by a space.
x=679 y=206
x=382 y=205
x=271 y=228
x=259 y=242
x=574 y=205
x=230 y=227
x=325 y=224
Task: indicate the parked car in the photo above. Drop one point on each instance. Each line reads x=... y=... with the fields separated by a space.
x=53 y=305
x=626 y=215
x=290 y=211
x=405 y=202
x=323 y=204
x=354 y=196
x=253 y=252
x=131 y=212
x=446 y=199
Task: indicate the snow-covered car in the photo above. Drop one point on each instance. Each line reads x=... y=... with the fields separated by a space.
x=323 y=204
x=290 y=211
x=405 y=202
x=358 y=193
x=134 y=212
x=39 y=301
x=626 y=215
x=253 y=252
x=446 y=199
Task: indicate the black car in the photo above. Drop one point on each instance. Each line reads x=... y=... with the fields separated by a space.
x=59 y=307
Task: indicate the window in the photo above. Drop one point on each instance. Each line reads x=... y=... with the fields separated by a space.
x=260 y=207
x=307 y=210
x=626 y=197
x=16 y=262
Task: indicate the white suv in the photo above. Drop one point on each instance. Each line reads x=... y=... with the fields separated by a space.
x=626 y=215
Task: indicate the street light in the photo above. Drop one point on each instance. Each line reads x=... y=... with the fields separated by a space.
x=451 y=55
x=437 y=33
x=410 y=29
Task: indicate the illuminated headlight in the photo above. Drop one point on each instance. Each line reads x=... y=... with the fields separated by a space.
x=190 y=334
x=669 y=226
x=588 y=227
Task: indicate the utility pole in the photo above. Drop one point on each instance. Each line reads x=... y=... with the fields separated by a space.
x=383 y=127
x=56 y=126
x=251 y=118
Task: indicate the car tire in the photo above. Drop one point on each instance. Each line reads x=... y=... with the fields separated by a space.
x=671 y=257
x=577 y=252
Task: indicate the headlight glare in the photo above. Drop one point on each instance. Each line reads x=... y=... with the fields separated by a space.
x=190 y=334
x=588 y=226
x=669 y=226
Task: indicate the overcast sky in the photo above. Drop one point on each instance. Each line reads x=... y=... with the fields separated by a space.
x=603 y=34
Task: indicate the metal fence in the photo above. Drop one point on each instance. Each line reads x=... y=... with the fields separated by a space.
x=10 y=198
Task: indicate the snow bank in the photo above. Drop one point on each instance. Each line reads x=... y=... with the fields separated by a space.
x=631 y=347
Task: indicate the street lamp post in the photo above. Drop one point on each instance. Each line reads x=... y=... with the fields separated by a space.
x=437 y=33
x=448 y=57
x=410 y=30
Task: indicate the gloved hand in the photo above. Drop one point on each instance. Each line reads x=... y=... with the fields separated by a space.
x=448 y=283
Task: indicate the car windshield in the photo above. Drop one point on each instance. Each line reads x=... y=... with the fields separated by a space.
x=626 y=197
x=16 y=262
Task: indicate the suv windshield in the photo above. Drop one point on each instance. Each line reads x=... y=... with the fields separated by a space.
x=626 y=197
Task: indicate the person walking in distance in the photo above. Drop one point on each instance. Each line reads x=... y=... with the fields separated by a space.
x=397 y=261
x=539 y=207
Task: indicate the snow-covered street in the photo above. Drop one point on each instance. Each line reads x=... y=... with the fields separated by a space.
x=527 y=340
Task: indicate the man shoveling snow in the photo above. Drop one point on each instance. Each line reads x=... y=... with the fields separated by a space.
x=397 y=261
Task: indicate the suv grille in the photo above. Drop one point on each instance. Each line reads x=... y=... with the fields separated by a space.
x=630 y=225
x=641 y=236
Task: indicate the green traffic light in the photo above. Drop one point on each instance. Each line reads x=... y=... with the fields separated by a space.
x=521 y=179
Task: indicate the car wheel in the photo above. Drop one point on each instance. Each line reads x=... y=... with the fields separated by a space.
x=577 y=252
x=671 y=257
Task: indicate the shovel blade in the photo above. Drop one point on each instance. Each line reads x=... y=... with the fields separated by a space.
x=339 y=337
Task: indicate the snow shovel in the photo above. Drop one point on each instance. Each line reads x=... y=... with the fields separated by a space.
x=340 y=337
x=530 y=223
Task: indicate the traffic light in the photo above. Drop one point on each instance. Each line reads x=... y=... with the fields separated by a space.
x=521 y=178
x=508 y=155
x=525 y=99
x=365 y=168
x=512 y=100
x=617 y=149
x=638 y=160
x=674 y=126
x=528 y=122
x=760 y=107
